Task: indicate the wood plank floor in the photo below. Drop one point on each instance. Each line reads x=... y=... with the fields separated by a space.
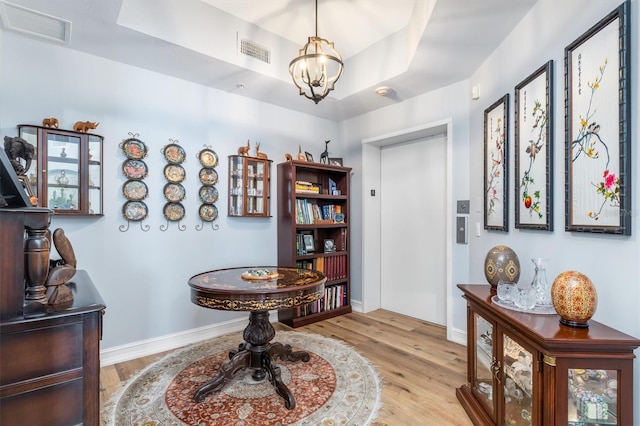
x=419 y=368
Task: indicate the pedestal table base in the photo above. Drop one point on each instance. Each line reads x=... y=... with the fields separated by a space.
x=259 y=355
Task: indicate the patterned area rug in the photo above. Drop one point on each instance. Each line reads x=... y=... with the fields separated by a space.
x=336 y=387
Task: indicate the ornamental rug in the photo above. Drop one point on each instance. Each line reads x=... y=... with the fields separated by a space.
x=337 y=386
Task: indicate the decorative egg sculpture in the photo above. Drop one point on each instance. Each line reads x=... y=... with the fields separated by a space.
x=501 y=263
x=574 y=298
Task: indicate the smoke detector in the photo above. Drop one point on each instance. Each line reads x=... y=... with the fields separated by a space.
x=383 y=90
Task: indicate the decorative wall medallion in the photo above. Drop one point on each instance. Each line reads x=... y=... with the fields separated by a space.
x=173 y=153
x=208 y=194
x=135 y=190
x=135 y=210
x=208 y=158
x=174 y=173
x=173 y=211
x=135 y=169
x=208 y=212
x=208 y=176
x=134 y=149
x=174 y=192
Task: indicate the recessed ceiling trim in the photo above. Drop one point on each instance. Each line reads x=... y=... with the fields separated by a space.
x=32 y=22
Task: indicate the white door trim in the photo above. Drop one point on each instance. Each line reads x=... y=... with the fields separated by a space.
x=371 y=210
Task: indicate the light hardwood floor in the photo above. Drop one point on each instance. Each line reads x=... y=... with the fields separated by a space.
x=418 y=367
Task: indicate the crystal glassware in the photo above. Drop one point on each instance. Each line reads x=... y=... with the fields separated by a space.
x=540 y=283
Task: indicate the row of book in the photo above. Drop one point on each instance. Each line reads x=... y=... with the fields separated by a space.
x=335 y=296
x=333 y=267
x=308 y=213
x=303 y=187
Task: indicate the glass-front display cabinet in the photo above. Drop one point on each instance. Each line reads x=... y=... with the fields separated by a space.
x=528 y=369
x=248 y=186
x=66 y=175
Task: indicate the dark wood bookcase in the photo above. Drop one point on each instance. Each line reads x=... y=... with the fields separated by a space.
x=313 y=232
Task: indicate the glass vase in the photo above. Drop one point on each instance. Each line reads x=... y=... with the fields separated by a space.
x=540 y=283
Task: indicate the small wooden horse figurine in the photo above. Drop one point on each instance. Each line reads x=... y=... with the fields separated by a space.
x=324 y=157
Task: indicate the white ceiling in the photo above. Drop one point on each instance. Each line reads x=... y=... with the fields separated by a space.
x=412 y=46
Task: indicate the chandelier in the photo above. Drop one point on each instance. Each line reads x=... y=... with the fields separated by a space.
x=317 y=68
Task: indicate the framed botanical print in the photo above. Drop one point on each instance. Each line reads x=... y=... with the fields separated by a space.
x=598 y=128
x=533 y=130
x=495 y=165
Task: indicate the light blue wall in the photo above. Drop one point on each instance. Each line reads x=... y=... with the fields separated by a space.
x=610 y=261
x=142 y=276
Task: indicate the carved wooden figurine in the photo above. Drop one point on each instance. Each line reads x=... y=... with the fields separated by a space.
x=244 y=150
x=84 y=126
x=288 y=157
x=301 y=156
x=61 y=271
x=258 y=153
x=50 y=122
x=324 y=157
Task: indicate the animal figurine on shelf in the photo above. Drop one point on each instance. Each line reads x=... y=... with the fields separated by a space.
x=244 y=150
x=16 y=148
x=61 y=271
x=324 y=157
x=258 y=153
x=84 y=126
x=301 y=156
x=50 y=122
x=288 y=157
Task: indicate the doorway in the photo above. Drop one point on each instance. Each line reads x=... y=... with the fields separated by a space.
x=412 y=231
x=372 y=250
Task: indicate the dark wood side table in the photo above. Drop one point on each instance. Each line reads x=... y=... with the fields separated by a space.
x=227 y=290
x=50 y=364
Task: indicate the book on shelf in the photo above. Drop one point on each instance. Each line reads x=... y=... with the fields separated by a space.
x=303 y=187
x=335 y=296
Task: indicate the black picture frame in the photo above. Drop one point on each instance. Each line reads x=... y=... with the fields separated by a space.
x=534 y=141
x=598 y=127
x=12 y=191
x=336 y=161
x=496 y=144
x=308 y=156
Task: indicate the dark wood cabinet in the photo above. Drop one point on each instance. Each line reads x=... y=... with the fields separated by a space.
x=528 y=369
x=66 y=176
x=50 y=363
x=313 y=233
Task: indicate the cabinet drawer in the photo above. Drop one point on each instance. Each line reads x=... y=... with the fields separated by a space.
x=58 y=405
x=38 y=352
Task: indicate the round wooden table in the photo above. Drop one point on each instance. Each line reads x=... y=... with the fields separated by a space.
x=228 y=290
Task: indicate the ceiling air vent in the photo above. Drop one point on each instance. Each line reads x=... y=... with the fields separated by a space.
x=28 y=21
x=254 y=50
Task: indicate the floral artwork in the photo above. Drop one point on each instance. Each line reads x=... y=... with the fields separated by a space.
x=495 y=168
x=597 y=138
x=534 y=145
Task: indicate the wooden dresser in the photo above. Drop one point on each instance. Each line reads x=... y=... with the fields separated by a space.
x=50 y=365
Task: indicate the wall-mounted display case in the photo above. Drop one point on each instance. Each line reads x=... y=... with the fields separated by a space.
x=248 y=186
x=66 y=175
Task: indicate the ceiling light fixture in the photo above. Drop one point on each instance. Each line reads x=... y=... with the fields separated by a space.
x=317 y=68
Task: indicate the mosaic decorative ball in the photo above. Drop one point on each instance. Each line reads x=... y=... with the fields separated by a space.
x=574 y=297
x=501 y=263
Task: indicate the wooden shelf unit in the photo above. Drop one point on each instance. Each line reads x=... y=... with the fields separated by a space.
x=298 y=224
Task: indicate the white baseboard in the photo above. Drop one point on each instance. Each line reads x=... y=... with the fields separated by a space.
x=457 y=335
x=356 y=305
x=168 y=342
